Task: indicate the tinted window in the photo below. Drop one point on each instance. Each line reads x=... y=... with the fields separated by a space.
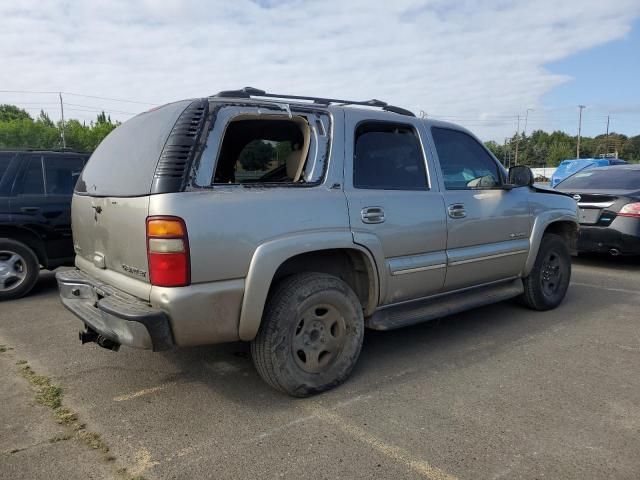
x=61 y=174
x=388 y=157
x=607 y=179
x=5 y=160
x=33 y=181
x=464 y=162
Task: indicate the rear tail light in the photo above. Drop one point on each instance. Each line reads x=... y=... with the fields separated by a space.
x=630 y=210
x=168 y=252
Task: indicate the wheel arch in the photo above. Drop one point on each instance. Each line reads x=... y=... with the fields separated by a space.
x=562 y=223
x=333 y=253
x=30 y=239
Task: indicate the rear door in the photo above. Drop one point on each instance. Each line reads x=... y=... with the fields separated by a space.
x=488 y=227
x=61 y=172
x=394 y=208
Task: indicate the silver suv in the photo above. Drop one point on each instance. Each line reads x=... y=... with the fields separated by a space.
x=295 y=222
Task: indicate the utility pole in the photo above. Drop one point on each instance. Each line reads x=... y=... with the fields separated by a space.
x=64 y=144
x=607 y=136
x=517 y=140
x=526 y=119
x=580 y=107
x=505 y=158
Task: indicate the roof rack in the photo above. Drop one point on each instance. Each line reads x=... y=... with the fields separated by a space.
x=248 y=92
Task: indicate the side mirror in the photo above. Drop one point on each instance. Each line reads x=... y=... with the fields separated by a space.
x=521 y=176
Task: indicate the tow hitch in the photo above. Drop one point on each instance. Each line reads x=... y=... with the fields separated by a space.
x=91 y=336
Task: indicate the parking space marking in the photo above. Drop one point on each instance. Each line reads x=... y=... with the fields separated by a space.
x=140 y=393
x=610 y=289
x=398 y=454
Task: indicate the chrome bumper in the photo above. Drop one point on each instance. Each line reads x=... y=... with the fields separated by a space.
x=113 y=314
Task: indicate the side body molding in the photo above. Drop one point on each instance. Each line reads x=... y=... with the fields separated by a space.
x=270 y=255
x=540 y=224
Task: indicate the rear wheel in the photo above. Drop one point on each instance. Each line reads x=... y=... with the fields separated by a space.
x=547 y=284
x=19 y=269
x=311 y=334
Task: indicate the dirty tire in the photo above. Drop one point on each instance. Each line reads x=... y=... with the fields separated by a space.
x=24 y=271
x=310 y=336
x=547 y=284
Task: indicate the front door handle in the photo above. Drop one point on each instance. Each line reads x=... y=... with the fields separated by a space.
x=30 y=209
x=456 y=210
x=372 y=215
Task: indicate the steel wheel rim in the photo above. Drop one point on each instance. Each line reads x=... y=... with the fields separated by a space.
x=552 y=274
x=318 y=338
x=13 y=270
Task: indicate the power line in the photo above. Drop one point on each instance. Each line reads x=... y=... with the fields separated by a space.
x=77 y=95
x=110 y=99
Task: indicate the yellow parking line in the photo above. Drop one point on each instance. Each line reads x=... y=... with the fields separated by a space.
x=398 y=454
x=140 y=393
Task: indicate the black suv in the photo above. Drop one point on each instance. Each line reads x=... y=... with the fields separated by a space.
x=35 y=215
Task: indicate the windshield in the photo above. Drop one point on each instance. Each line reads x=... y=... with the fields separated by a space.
x=603 y=179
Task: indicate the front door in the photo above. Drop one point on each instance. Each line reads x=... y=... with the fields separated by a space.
x=393 y=208
x=488 y=226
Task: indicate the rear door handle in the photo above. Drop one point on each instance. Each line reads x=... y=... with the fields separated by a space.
x=456 y=210
x=372 y=215
x=30 y=209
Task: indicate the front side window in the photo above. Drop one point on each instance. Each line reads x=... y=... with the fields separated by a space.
x=61 y=174
x=33 y=180
x=464 y=162
x=388 y=156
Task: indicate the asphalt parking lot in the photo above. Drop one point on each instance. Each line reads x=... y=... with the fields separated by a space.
x=499 y=392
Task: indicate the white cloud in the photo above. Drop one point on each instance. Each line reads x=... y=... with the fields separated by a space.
x=475 y=62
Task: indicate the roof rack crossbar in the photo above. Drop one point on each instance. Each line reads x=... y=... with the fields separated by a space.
x=248 y=92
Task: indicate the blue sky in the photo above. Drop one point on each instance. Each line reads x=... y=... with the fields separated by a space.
x=478 y=63
x=607 y=80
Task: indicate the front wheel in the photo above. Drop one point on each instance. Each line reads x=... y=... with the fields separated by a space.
x=311 y=334
x=547 y=284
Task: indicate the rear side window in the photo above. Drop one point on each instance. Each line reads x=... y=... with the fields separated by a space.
x=33 y=178
x=61 y=174
x=388 y=156
x=464 y=162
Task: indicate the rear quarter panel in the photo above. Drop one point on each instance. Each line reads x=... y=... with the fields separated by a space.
x=227 y=224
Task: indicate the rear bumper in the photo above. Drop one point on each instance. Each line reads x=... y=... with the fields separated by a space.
x=114 y=314
x=623 y=235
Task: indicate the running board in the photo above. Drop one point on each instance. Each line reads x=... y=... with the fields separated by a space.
x=420 y=311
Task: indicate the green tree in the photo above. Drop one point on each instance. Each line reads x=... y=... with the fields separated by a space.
x=44 y=119
x=11 y=112
x=19 y=130
x=257 y=155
